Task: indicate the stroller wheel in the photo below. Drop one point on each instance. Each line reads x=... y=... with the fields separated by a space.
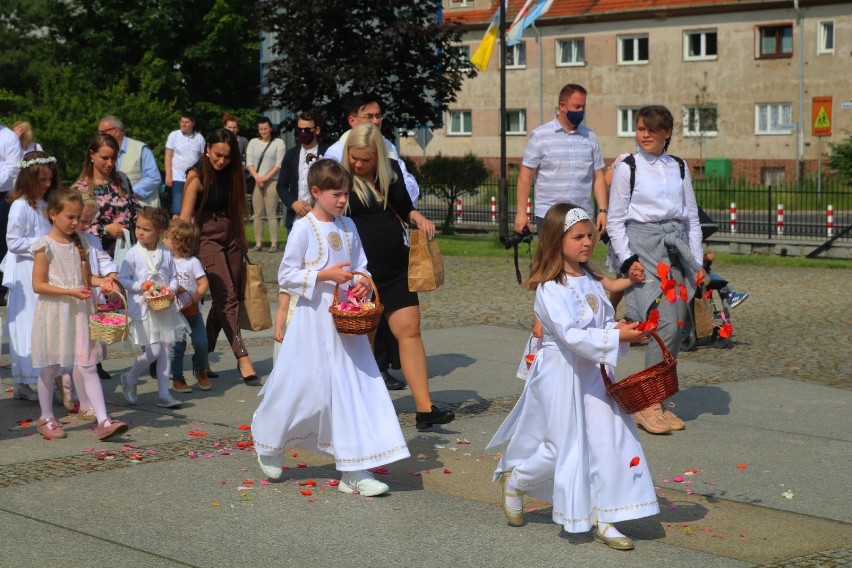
x=688 y=340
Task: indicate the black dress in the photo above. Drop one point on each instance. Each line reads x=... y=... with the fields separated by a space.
x=386 y=243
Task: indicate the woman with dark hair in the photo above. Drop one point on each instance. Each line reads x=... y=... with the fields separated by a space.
x=263 y=162
x=651 y=221
x=214 y=198
x=99 y=178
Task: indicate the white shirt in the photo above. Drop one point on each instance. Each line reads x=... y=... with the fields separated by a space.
x=187 y=150
x=304 y=190
x=10 y=153
x=659 y=194
x=189 y=270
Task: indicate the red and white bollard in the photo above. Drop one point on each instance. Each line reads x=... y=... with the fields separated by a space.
x=459 y=209
x=829 y=221
x=493 y=209
x=529 y=209
x=733 y=218
x=779 y=220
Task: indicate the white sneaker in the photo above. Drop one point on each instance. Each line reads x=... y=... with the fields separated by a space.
x=362 y=483
x=23 y=391
x=271 y=466
x=128 y=388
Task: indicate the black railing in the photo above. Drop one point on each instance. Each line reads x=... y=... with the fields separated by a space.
x=805 y=207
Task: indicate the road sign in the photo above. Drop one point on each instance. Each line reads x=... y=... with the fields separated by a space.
x=822 y=116
x=423 y=136
x=846 y=105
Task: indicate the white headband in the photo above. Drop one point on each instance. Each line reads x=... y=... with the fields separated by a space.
x=574 y=216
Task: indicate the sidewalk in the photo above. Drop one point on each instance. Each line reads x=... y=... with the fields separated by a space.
x=179 y=490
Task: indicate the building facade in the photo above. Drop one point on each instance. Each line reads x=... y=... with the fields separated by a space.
x=750 y=83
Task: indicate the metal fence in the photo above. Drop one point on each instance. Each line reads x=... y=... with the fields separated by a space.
x=809 y=210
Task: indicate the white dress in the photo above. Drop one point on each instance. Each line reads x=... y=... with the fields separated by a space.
x=325 y=392
x=26 y=226
x=146 y=325
x=567 y=440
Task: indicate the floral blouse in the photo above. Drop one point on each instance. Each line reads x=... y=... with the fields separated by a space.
x=114 y=207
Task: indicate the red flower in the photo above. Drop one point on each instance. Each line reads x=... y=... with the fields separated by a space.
x=634 y=462
x=652 y=322
x=726 y=330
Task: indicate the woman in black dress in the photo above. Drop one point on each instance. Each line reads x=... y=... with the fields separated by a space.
x=379 y=204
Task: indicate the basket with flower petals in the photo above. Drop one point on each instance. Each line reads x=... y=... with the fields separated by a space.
x=157 y=296
x=110 y=326
x=356 y=317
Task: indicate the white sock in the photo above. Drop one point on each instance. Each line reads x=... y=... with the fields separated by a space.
x=609 y=531
x=516 y=502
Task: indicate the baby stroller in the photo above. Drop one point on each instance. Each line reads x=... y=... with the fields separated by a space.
x=708 y=310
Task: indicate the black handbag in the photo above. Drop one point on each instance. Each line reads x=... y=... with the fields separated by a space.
x=250 y=178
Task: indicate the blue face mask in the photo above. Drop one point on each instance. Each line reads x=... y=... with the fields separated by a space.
x=575 y=117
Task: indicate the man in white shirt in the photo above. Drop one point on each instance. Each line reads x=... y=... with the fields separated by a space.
x=565 y=161
x=183 y=149
x=368 y=108
x=136 y=160
x=10 y=154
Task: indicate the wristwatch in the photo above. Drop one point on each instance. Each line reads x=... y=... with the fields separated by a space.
x=604 y=210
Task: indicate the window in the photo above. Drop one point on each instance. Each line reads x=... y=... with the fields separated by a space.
x=516 y=122
x=699 y=121
x=627 y=121
x=516 y=56
x=633 y=49
x=773 y=118
x=462 y=3
x=825 y=41
x=774 y=41
x=464 y=57
x=699 y=45
x=570 y=52
x=460 y=123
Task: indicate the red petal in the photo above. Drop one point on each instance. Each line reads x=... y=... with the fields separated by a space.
x=301 y=465
x=654 y=317
x=245 y=426
x=307 y=492
x=726 y=331
x=742 y=466
x=683 y=293
x=680 y=323
x=663 y=271
x=708 y=294
x=333 y=483
x=634 y=462
x=381 y=470
x=699 y=280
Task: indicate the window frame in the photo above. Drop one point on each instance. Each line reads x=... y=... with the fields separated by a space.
x=451 y=114
x=772 y=131
x=821 y=37
x=519 y=48
x=559 y=51
x=779 y=39
x=461 y=3
x=523 y=122
x=687 y=34
x=627 y=130
x=687 y=111
x=636 y=39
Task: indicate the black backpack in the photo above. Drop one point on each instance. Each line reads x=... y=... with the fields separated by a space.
x=631 y=163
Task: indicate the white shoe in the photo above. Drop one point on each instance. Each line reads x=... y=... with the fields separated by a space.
x=129 y=389
x=271 y=466
x=362 y=483
x=23 y=391
x=168 y=401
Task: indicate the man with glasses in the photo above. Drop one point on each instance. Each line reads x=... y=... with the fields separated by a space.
x=136 y=160
x=293 y=179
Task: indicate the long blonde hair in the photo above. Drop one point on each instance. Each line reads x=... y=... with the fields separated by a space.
x=368 y=136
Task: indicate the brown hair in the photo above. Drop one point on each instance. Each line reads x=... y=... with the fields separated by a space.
x=184 y=237
x=56 y=202
x=88 y=170
x=569 y=90
x=547 y=264
x=328 y=174
x=657 y=118
x=158 y=216
x=27 y=183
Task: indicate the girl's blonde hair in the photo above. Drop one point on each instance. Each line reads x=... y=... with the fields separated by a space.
x=184 y=237
x=328 y=174
x=90 y=202
x=57 y=201
x=27 y=183
x=368 y=136
x=547 y=264
x=158 y=216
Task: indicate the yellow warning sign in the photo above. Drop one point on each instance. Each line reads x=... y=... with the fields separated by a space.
x=821 y=116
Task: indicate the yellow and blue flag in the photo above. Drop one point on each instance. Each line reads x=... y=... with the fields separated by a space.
x=482 y=55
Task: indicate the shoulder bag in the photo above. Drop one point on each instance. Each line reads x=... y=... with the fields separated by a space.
x=250 y=178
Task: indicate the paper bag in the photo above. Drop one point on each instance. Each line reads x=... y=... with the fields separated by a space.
x=425 y=264
x=254 y=307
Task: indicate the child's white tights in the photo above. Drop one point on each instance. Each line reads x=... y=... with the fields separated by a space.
x=161 y=353
x=85 y=379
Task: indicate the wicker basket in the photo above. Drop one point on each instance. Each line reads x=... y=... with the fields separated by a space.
x=640 y=390
x=110 y=334
x=356 y=323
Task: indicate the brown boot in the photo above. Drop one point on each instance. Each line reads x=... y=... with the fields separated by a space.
x=651 y=420
x=673 y=421
x=203 y=381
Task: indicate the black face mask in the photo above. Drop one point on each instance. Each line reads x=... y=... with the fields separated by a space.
x=306 y=138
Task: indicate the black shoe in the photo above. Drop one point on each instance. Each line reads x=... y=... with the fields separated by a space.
x=426 y=420
x=102 y=374
x=251 y=380
x=392 y=383
x=212 y=375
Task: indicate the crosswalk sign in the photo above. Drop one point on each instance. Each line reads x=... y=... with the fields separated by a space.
x=821 y=116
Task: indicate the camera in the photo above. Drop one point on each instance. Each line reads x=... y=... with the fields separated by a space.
x=514 y=240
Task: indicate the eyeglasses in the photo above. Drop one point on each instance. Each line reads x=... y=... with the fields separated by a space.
x=305 y=129
x=377 y=116
x=106 y=131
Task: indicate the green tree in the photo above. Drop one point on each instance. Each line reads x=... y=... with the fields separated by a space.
x=327 y=51
x=841 y=159
x=451 y=178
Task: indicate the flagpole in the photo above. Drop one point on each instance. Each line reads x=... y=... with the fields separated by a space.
x=503 y=213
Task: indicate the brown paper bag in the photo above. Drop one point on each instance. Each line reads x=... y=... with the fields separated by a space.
x=425 y=263
x=254 y=307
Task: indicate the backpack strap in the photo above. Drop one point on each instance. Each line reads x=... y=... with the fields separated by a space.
x=631 y=163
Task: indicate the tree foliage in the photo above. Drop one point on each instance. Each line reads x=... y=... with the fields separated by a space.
x=841 y=159
x=327 y=51
x=64 y=65
x=451 y=178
